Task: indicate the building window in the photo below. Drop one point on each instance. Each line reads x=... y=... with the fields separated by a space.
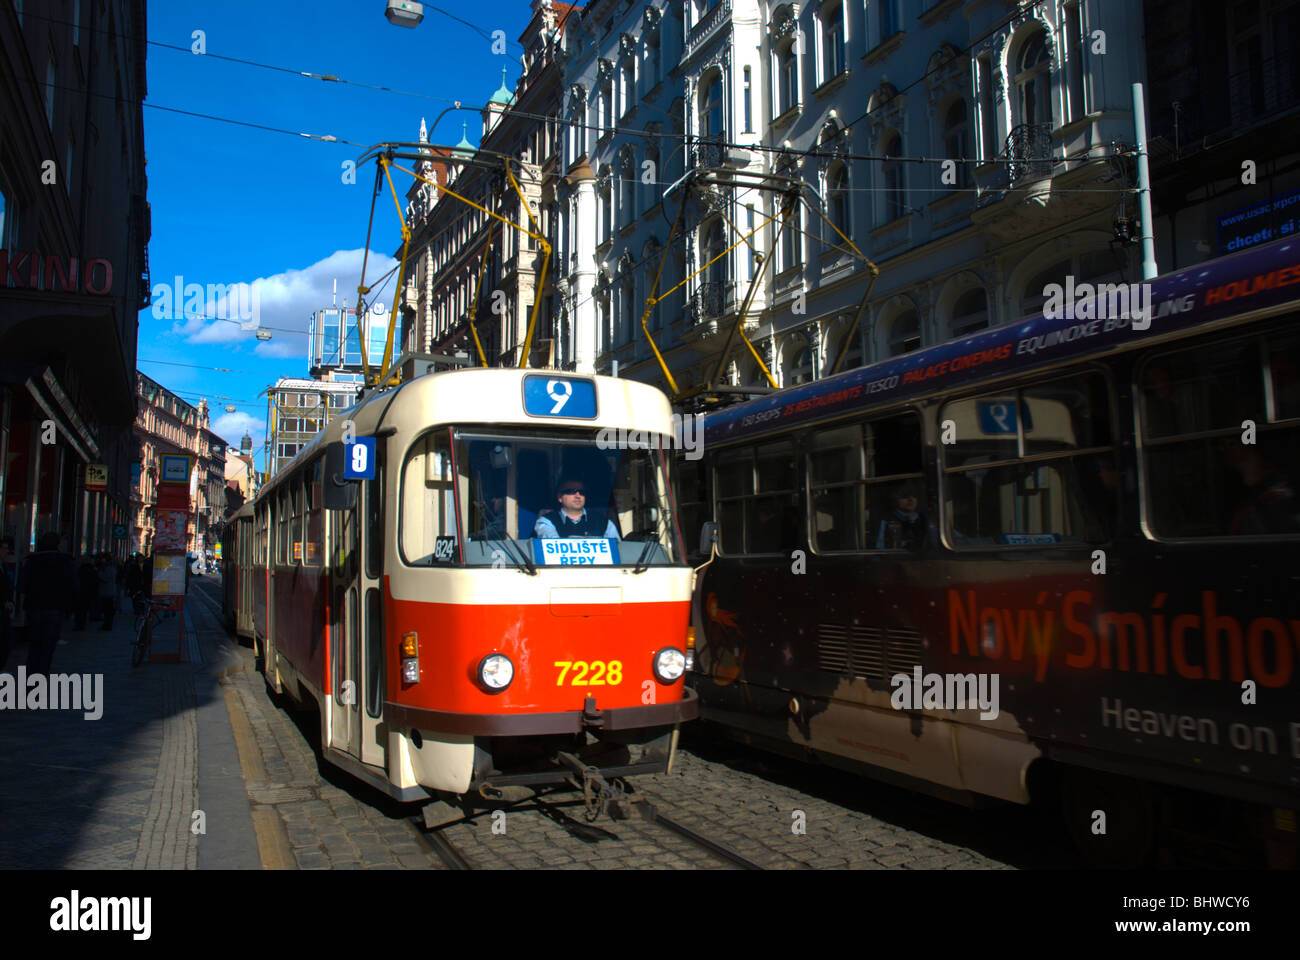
x=791 y=235
x=970 y=313
x=832 y=21
x=627 y=85
x=651 y=189
x=606 y=213
x=1074 y=60
x=889 y=20
x=606 y=107
x=51 y=82
x=1033 y=80
x=713 y=261
x=800 y=370
x=711 y=108
x=749 y=102
x=892 y=170
x=629 y=308
x=650 y=72
x=988 y=115
x=837 y=201
x=626 y=185
x=904 y=334
x=787 y=56
x=955 y=143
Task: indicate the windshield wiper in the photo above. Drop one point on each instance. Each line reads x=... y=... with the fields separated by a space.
x=641 y=565
x=526 y=564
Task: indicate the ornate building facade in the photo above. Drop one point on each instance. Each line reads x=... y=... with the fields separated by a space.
x=975 y=151
x=445 y=290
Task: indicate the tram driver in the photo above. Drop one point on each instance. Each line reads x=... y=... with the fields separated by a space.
x=572 y=519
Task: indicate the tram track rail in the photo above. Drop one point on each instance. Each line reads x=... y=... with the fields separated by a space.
x=436 y=841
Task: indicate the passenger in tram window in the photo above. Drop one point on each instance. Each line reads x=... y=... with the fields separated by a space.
x=906 y=527
x=1160 y=401
x=1270 y=504
x=572 y=519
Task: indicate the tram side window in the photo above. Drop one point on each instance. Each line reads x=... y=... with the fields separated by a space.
x=1034 y=466
x=860 y=479
x=758 y=507
x=296 y=504
x=314 y=529
x=429 y=503
x=1201 y=478
x=692 y=499
x=282 y=526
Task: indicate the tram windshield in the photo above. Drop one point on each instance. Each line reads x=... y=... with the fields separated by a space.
x=541 y=499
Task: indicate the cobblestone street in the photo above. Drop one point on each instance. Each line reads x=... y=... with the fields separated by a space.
x=319 y=818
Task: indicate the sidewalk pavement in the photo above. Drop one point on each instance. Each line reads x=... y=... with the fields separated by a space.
x=153 y=783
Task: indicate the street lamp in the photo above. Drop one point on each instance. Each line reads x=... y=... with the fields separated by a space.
x=404 y=13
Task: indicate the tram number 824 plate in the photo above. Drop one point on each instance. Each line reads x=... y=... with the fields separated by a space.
x=601 y=673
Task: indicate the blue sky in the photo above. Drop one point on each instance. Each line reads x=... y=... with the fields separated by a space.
x=232 y=204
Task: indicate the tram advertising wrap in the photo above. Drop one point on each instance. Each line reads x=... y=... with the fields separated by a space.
x=1095 y=521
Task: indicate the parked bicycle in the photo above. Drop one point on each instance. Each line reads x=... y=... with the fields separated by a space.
x=148 y=613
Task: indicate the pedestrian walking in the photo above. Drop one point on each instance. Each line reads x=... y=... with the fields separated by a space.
x=6 y=599
x=87 y=587
x=47 y=582
x=108 y=588
x=132 y=578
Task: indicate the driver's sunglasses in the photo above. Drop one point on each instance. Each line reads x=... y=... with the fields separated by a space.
x=569 y=491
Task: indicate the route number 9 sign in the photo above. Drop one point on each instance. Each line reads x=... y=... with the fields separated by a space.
x=567 y=397
x=359 y=459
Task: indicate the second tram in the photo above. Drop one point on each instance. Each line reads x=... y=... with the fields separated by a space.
x=1060 y=543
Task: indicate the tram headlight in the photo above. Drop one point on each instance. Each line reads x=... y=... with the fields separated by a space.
x=410 y=658
x=495 y=671
x=670 y=664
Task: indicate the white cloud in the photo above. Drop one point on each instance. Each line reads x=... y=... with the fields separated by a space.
x=231 y=427
x=280 y=303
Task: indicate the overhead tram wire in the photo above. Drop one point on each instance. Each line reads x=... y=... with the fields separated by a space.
x=685 y=138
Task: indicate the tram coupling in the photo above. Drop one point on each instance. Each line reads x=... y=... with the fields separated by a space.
x=599 y=796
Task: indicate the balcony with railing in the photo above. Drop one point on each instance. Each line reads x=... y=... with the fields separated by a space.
x=708 y=152
x=708 y=25
x=710 y=301
x=1029 y=150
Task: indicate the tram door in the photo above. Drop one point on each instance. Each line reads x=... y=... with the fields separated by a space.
x=369 y=651
x=345 y=627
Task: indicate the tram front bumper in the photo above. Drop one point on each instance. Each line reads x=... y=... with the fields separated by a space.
x=537 y=724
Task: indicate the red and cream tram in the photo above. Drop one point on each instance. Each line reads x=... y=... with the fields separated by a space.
x=404 y=574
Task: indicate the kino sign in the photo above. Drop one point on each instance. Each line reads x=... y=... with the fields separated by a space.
x=24 y=270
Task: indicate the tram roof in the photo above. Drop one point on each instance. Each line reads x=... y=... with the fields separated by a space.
x=488 y=396
x=1257 y=279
